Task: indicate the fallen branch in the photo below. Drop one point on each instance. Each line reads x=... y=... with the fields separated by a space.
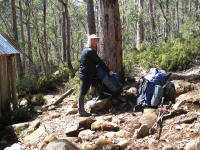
x=60 y=99
x=174 y=113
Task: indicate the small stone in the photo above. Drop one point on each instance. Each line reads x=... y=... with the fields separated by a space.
x=55 y=115
x=71 y=111
x=52 y=107
x=74 y=105
x=123 y=144
x=167 y=147
x=86 y=135
x=49 y=139
x=142 y=131
x=72 y=131
x=38 y=109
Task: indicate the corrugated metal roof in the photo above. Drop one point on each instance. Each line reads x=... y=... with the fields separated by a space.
x=6 y=47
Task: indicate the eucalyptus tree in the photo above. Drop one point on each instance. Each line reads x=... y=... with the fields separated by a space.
x=22 y=34
x=140 y=26
x=45 y=40
x=91 y=17
x=66 y=40
x=14 y=21
x=152 y=20
x=109 y=30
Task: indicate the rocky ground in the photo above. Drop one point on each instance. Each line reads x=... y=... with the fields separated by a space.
x=116 y=127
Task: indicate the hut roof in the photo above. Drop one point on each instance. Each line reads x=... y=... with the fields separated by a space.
x=7 y=45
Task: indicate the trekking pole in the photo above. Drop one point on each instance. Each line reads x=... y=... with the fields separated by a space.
x=159 y=121
x=159 y=118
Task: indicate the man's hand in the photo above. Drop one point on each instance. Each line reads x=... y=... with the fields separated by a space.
x=110 y=73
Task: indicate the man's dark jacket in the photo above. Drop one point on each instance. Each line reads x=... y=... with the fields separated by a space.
x=88 y=62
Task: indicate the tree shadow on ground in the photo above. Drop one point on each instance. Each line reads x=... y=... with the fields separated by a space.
x=9 y=135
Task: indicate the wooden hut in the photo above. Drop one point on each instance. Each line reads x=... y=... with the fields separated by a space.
x=8 y=50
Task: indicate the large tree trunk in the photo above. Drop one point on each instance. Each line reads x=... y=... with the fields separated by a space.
x=167 y=27
x=66 y=40
x=64 y=36
x=32 y=66
x=55 y=31
x=45 y=41
x=91 y=17
x=182 y=11
x=18 y=59
x=153 y=26
x=177 y=15
x=110 y=45
x=22 y=35
x=165 y=16
x=140 y=26
x=69 y=63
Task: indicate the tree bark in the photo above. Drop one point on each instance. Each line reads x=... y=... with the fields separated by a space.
x=177 y=15
x=153 y=26
x=69 y=63
x=110 y=44
x=167 y=27
x=18 y=59
x=182 y=9
x=165 y=16
x=45 y=40
x=64 y=36
x=140 y=26
x=22 y=35
x=91 y=17
x=30 y=56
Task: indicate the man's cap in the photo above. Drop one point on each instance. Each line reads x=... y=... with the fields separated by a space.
x=93 y=36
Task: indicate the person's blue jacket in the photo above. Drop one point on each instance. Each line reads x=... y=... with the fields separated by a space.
x=88 y=62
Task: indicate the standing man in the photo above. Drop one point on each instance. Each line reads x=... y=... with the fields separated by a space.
x=87 y=70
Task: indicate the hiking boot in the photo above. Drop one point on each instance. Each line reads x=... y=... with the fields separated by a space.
x=81 y=109
x=84 y=114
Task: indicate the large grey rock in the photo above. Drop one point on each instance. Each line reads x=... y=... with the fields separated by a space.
x=61 y=144
x=182 y=86
x=98 y=105
x=149 y=117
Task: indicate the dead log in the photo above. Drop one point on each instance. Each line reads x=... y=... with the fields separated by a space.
x=60 y=99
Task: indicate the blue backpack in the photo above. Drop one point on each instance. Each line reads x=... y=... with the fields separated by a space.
x=111 y=82
x=150 y=89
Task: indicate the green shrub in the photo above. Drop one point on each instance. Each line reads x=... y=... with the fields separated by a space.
x=26 y=86
x=171 y=56
x=73 y=83
x=129 y=61
x=46 y=84
x=38 y=100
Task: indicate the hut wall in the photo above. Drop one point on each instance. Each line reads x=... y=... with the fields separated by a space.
x=7 y=83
